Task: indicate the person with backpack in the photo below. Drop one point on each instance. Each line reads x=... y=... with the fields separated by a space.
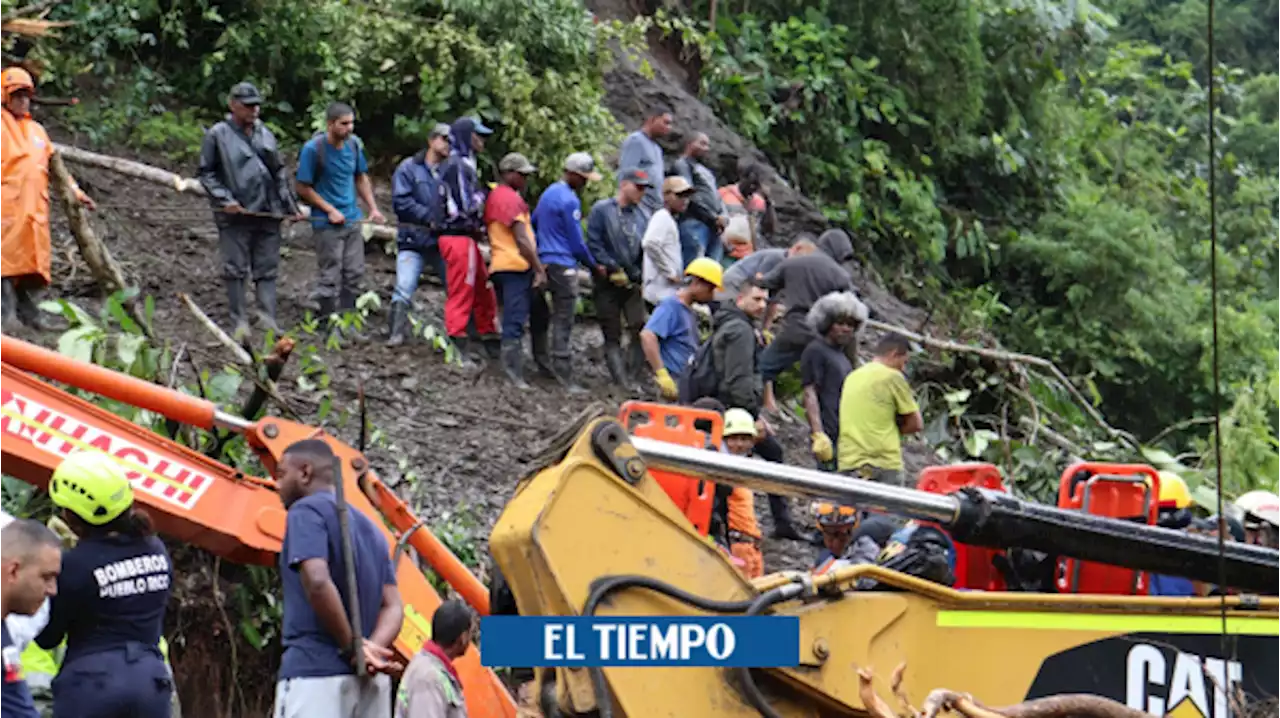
x=243 y=172
x=415 y=198
x=614 y=230
x=468 y=294
x=836 y=318
x=332 y=172
x=670 y=336
x=726 y=366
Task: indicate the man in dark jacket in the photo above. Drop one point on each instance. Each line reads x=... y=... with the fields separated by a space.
x=415 y=196
x=802 y=280
x=736 y=351
x=244 y=174
x=705 y=218
x=614 y=230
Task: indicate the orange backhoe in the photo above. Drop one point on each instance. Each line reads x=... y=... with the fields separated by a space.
x=203 y=502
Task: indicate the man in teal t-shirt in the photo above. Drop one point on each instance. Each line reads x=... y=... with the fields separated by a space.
x=332 y=171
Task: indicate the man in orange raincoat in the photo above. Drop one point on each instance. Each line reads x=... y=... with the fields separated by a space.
x=24 y=201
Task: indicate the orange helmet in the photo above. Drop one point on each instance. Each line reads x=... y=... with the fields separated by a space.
x=15 y=78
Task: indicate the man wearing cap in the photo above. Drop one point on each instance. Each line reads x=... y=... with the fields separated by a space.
x=517 y=274
x=415 y=197
x=664 y=261
x=614 y=230
x=25 y=254
x=243 y=172
x=557 y=224
x=641 y=151
x=466 y=139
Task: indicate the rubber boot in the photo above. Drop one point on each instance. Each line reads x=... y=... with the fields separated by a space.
x=617 y=367
x=326 y=308
x=462 y=351
x=399 y=321
x=637 y=365
x=9 y=305
x=265 y=290
x=235 y=309
x=542 y=355
x=492 y=344
x=27 y=310
x=513 y=362
x=563 y=371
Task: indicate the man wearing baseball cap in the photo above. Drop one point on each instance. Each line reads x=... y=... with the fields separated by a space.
x=614 y=230
x=663 y=265
x=514 y=267
x=557 y=225
x=242 y=187
x=415 y=197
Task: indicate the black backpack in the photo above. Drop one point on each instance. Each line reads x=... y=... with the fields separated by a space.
x=699 y=377
x=321 y=144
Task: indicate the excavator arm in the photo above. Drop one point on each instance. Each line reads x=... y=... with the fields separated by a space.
x=195 y=499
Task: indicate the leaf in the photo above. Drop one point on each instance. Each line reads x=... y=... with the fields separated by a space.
x=127 y=348
x=251 y=634
x=78 y=342
x=223 y=387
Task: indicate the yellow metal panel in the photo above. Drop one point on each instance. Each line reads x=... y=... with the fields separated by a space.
x=1163 y=623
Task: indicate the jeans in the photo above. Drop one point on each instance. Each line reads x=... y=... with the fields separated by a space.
x=699 y=240
x=615 y=304
x=520 y=304
x=409 y=264
x=340 y=260
x=787 y=347
x=563 y=283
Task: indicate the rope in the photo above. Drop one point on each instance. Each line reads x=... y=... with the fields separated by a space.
x=183 y=214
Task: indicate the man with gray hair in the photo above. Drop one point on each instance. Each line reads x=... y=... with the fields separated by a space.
x=30 y=561
x=243 y=172
x=836 y=318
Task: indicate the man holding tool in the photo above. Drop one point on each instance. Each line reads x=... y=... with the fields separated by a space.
x=325 y=570
x=25 y=251
x=244 y=173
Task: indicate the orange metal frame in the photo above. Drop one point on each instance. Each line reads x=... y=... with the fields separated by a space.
x=195 y=499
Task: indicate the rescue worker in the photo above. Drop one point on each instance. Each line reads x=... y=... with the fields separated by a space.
x=641 y=152
x=735 y=352
x=416 y=201
x=244 y=174
x=468 y=294
x=705 y=218
x=1261 y=517
x=670 y=336
x=24 y=203
x=802 y=279
x=332 y=172
x=430 y=687
x=614 y=228
x=30 y=562
x=836 y=319
x=835 y=524
x=557 y=227
x=517 y=274
x=663 y=265
x=320 y=677
x=740 y=435
x=111 y=600
x=876 y=409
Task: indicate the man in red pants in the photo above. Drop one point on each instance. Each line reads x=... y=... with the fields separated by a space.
x=467 y=283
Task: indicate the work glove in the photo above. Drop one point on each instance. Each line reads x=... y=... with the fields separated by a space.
x=768 y=337
x=822 y=448
x=619 y=278
x=668 y=385
x=64 y=532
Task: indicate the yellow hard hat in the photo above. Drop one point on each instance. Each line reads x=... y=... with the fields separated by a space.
x=1173 y=491
x=91 y=485
x=738 y=422
x=708 y=269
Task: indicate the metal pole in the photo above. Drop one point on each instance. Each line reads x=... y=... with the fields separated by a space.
x=349 y=562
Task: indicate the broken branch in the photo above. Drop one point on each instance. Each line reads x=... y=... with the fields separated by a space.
x=242 y=357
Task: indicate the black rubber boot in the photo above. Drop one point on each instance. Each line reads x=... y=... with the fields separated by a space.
x=265 y=290
x=235 y=309
x=617 y=367
x=637 y=365
x=9 y=304
x=399 y=322
x=542 y=355
x=462 y=351
x=513 y=362
x=492 y=344
x=563 y=372
x=30 y=313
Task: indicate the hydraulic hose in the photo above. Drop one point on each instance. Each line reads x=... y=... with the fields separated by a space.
x=750 y=690
x=602 y=587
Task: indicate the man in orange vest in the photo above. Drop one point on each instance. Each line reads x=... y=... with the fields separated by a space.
x=24 y=201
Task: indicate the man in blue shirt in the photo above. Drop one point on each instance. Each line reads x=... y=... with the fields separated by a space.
x=318 y=677
x=557 y=225
x=31 y=561
x=670 y=336
x=415 y=197
x=332 y=171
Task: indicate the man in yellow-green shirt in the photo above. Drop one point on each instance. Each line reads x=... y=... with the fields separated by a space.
x=876 y=409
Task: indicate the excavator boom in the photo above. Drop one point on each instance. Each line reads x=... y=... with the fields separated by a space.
x=195 y=499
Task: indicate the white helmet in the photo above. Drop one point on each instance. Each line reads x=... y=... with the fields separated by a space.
x=1263 y=504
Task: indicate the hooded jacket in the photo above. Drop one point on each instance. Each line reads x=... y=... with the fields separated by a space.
x=460 y=142
x=837 y=245
x=244 y=169
x=735 y=350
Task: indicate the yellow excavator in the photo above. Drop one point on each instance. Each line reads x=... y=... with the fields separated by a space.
x=593 y=532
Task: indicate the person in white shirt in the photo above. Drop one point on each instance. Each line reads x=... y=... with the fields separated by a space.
x=663 y=270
